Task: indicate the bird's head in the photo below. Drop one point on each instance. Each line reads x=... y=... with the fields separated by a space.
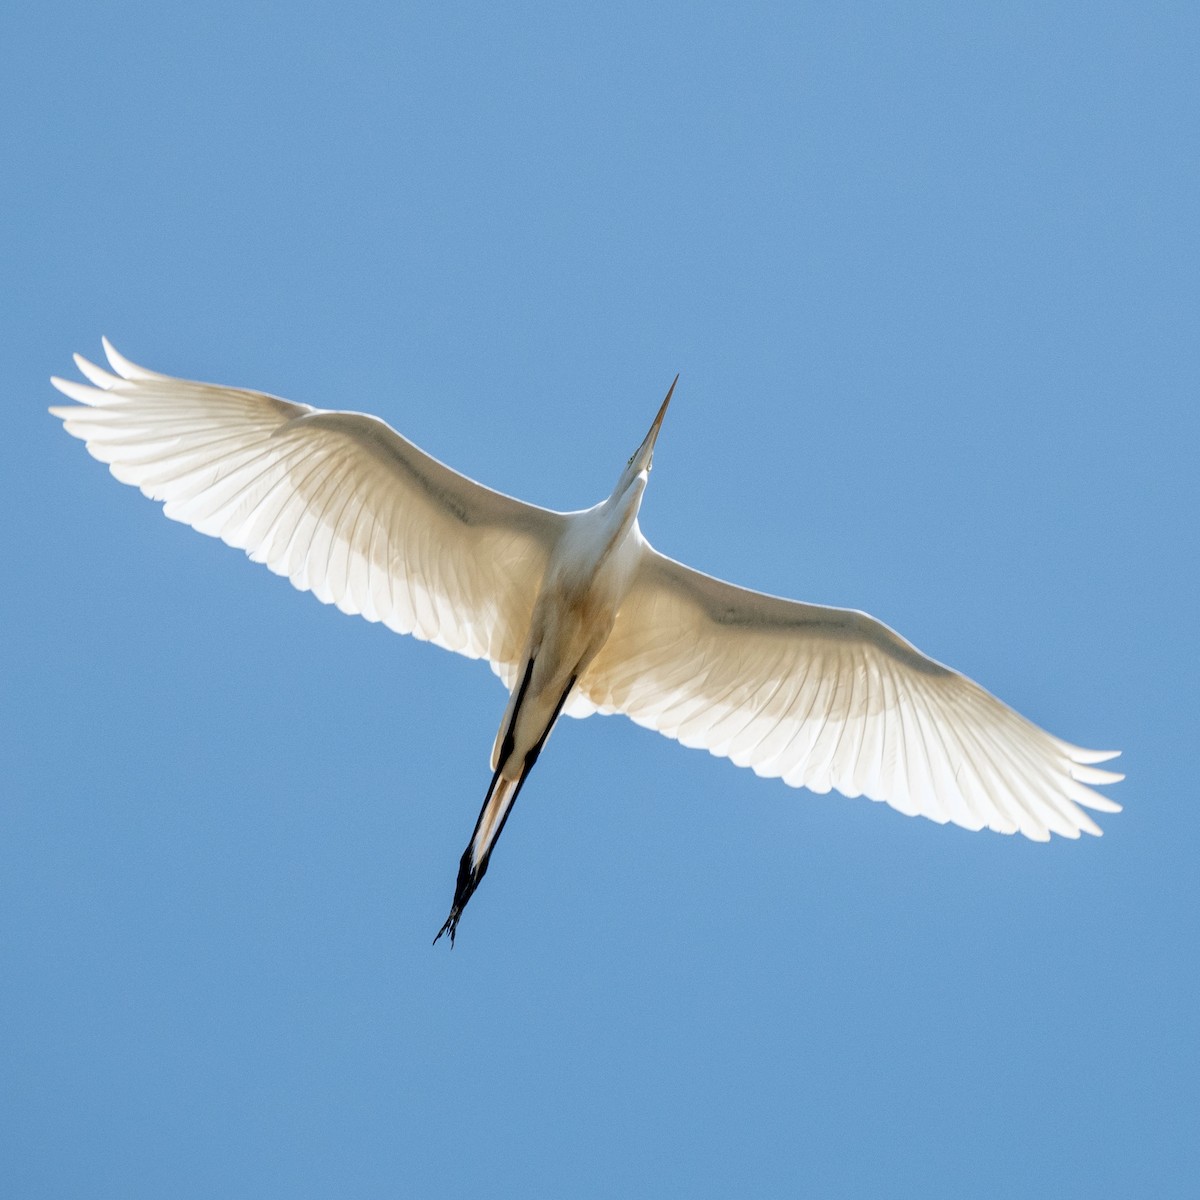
x=642 y=458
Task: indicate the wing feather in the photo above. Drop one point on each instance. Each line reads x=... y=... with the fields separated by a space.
x=829 y=698
x=338 y=502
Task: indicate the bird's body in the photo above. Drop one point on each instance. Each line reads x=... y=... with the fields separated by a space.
x=578 y=613
x=588 y=575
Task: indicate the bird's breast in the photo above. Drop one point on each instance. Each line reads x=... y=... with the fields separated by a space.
x=581 y=595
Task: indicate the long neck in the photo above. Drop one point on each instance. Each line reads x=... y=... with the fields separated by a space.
x=620 y=510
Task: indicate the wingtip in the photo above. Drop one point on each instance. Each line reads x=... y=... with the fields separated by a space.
x=123 y=367
x=94 y=374
x=1080 y=754
x=116 y=360
x=1092 y=775
x=81 y=393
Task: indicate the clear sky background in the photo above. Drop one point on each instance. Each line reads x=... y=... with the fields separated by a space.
x=930 y=275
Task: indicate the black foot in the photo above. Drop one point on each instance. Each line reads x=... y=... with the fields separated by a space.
x=450 y=927
x=464 y=889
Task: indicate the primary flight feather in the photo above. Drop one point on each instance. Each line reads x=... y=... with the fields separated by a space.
x=577 y=612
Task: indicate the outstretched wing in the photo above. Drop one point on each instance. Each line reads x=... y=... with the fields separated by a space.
x=830 y=698
x=338 y=502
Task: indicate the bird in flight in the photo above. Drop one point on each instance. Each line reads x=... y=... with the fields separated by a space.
x=577 y=613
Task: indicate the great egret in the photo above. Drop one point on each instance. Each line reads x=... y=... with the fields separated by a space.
x=577 y=613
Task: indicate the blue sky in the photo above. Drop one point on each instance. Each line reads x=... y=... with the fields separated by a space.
x=929 y=273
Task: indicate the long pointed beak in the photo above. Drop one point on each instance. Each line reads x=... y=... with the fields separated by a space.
x=646 y=450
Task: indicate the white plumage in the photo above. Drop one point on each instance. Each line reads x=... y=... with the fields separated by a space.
x=577 y=613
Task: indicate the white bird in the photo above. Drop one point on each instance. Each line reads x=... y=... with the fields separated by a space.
x=577 y=612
